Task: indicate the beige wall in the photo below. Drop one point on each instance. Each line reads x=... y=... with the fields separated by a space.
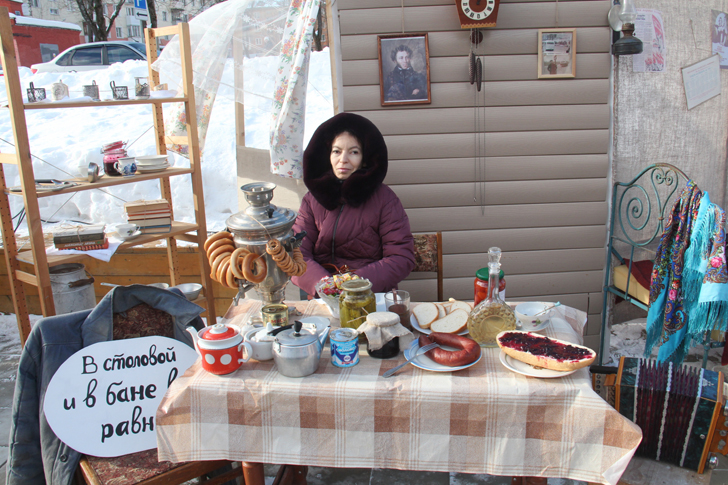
x=542 y=198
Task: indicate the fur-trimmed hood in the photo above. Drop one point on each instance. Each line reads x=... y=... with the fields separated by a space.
x=318 y=174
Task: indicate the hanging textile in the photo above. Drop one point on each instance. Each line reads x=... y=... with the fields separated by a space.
x=689 y=288
x=289 y=104
x=214 y=35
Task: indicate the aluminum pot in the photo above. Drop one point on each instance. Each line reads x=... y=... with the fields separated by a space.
x=297 y=351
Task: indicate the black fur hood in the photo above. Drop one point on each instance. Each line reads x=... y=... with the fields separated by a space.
x=318 y=175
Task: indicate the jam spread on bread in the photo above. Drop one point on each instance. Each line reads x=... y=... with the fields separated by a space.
x=544 y=346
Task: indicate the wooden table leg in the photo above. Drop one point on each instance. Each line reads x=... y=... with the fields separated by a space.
x=291 y=475
x=253 y=473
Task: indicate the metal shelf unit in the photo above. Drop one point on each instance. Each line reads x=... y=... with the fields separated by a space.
x=36 y=256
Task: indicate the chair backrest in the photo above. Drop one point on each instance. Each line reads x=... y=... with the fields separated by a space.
x=142 y=321
x=428 y=257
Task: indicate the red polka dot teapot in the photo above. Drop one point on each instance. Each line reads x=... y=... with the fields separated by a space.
x=221 y=348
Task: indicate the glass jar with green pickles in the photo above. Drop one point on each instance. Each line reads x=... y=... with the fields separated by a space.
x=356 y=302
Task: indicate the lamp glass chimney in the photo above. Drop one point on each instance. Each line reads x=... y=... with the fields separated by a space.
x=628 y=12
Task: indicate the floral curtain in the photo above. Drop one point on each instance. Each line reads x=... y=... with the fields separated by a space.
x=289 y=103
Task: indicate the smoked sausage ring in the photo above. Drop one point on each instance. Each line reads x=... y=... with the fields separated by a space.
x=261 y=269
x=467 y=353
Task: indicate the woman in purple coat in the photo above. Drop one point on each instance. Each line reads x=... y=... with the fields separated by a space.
x=350 y=217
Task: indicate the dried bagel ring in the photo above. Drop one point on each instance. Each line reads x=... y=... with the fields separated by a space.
x=280 y=257
x=257 y=274
x=236 y=263
x=230 y=276
x=287 y=266
x=222 y=249
x=216 y=265
x=215 y=237
x=219 y=243
x=273 y=246
x=297 y=255
x=222 y=269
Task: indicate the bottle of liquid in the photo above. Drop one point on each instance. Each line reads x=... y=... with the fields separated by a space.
x=492 y=315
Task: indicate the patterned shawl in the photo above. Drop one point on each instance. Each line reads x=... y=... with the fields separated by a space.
x=689 y=290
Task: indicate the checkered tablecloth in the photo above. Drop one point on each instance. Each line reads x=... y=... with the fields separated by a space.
x=484 y=419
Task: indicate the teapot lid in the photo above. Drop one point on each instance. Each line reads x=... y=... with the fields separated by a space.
x=296 y=336
x=261 y=215
x=219 y=331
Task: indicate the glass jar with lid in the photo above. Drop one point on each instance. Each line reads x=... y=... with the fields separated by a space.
x=481 y=285
x=356 y=302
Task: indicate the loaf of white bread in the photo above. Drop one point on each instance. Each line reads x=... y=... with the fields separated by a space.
x=449 y=317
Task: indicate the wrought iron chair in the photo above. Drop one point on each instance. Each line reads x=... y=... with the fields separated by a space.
x=144 y=467
x=428 y=257
x=640 y=209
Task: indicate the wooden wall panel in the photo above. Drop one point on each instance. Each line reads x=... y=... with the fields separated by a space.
x=538 y=183
x=460 y=145
x=495 y=42
x=496 y=68
x=501 y=193
x=539 y=167
x=520 y=93
x=441 y=18
x=495 y=119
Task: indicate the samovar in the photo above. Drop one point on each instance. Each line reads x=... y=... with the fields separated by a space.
x=254 y=227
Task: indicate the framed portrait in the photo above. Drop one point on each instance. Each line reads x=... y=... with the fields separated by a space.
x=556 y=53
x=404 y=69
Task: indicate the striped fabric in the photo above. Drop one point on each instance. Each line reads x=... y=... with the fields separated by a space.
x=485 y=419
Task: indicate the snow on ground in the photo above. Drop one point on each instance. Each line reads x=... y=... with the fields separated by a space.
x=65 y=141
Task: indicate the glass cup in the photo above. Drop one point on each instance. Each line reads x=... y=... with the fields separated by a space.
x=399 y=302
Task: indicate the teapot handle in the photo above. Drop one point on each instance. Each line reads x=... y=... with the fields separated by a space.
x=279 y=330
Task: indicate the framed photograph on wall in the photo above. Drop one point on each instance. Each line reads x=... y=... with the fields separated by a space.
x=404 y=69
x=556 y=53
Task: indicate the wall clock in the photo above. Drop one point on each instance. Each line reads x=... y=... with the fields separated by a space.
x=476 y=14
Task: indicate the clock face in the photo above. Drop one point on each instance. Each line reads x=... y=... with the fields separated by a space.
x=477 y=9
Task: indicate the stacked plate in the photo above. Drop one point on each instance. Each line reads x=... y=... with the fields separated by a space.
x=151 y=163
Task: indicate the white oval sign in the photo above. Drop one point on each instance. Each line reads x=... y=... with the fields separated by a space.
x=102 y=401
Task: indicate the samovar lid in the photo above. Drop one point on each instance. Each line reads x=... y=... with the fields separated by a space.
x=261 y=215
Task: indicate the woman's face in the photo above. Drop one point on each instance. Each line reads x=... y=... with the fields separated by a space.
x=345 y=156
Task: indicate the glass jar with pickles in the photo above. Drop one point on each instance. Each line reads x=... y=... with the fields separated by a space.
x=492 y=315
x=356 y=302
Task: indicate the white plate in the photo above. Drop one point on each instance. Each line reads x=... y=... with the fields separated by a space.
x=151 y=170
x=427 y=331
x=528 y=370
x=320 y=322
x=537 y=328
x=127 y=238
x=424 y=362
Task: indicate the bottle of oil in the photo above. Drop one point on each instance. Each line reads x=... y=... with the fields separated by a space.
x=492 y=315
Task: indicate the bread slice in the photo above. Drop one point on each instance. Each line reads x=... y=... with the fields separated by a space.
x=441 y=310
x=454 y=322
x=541 y=351
x=455 y=304
x=425 y=313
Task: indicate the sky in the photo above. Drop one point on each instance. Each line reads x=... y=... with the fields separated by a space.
x=65 y=141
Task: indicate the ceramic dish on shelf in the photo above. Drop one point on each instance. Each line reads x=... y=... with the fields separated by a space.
x=151 y=160
x=152 y=169
x=522 y=368
x=427 y=331
x=129 y=237
x=424 y=362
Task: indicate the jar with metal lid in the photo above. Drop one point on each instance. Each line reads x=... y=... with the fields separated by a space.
x=356 y=302
x=481 y=285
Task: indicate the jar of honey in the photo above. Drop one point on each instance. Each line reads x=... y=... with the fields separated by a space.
x=481 y=285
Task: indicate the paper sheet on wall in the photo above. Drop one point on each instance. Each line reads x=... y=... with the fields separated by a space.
x=702 y=81
x=719 y=36
x=650 y=30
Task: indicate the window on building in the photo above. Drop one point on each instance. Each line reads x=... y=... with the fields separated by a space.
x=118 y=33
x=129 y=11
x=185 y=18
x=17 y=12
x=134 y=30
x=54 y=11
x=164 y=15
x=202 y=3
x=48 y=52
x=33 y=3
x=258 y=41
x=192 y=3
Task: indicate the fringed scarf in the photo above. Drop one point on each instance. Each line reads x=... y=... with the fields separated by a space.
x=689 y=290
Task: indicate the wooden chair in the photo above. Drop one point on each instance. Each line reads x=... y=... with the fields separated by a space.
x=144 y=467
x=428 y=257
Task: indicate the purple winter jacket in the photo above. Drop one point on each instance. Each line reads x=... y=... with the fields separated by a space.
x=359 y=222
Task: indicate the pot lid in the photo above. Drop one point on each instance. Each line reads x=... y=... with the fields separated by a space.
x=359 y=284
x=296 y=336
x=261 y=214
x=219 y=331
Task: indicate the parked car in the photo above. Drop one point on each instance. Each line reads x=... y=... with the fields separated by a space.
x=94 y=55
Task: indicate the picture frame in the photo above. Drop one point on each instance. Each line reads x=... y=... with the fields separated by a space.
x=404 y=69
x=556 y=53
